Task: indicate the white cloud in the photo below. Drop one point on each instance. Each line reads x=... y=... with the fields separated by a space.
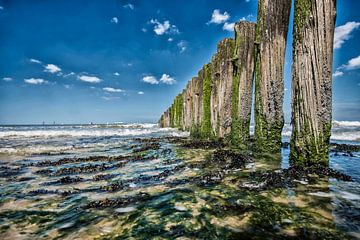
x=35 y=81
x=182 y=45
x=69 y=74
x=217 y=17
x=163 y=28
x=113 y=90
x=338 y=73
x=129 y=6
x=165 y=78
x=90 y=79
x=229 y=26
x=7 y=79
x=141 y=93
x=343 y=33
x=247 y=0
x=67 y=86
x=114 y=20
x=144 y=30
x=109 y=98
x=116 y=74
x=51 y=68
x=1 y=8
x=150 y=79
x=353 y=63
x=32 y=60
x=170 y=39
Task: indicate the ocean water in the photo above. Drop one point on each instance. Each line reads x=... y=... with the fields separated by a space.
x=63 y=139
x=131 y=181
x=38 y=139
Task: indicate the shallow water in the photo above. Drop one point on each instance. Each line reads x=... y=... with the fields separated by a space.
x=51 y=187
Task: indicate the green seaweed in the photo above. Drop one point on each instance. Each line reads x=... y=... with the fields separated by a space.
x=307 y=149
x=206 y=129
x=301 y=17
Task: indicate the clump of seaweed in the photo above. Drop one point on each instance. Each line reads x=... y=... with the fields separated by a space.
x=203 y=144
x=119 y=202
x=282 y=178
x=146 y=147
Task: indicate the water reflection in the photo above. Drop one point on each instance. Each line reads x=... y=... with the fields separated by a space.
x=144 y=189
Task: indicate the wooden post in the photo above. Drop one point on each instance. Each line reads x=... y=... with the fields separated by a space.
x=242 y=87
x=221 y=88
x=271 y=35
x=314 y=24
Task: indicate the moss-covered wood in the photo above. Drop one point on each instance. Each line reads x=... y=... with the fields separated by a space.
x=179 y=111
x=271 y=35
x=221 y=91
x=243 y=74
x=206 y=129
x=314 y=23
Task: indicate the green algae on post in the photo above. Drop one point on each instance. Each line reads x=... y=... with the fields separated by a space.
x=243 y=61
x=312 y=81
x=271 y=35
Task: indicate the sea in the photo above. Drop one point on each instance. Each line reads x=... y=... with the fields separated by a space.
x=68 y=181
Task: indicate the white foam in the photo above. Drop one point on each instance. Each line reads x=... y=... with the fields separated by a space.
x=25 y=140
x=51 y=133
x=346 y=123
x=347 y=136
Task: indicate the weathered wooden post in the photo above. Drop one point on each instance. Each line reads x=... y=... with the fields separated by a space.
x=221 y=90
x=197 y=93
x=165 y=119
x=314 y=24
x=206 y=129
x=179 y=107
x=242 y=87
x=271 y=34
x=188 y=106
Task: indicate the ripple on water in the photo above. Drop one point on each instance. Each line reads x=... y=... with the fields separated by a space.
x=188 y=209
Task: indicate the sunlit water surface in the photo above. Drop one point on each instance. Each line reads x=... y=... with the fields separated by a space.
x=152 y=192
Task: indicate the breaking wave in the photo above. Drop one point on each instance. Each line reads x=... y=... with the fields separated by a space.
x=25 y=140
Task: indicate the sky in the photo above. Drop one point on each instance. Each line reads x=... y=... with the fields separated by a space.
x=98 y=61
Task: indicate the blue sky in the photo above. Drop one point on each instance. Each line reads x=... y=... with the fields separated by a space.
x=103 y=61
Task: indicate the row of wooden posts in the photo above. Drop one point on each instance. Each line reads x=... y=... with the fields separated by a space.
x=217 y=102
